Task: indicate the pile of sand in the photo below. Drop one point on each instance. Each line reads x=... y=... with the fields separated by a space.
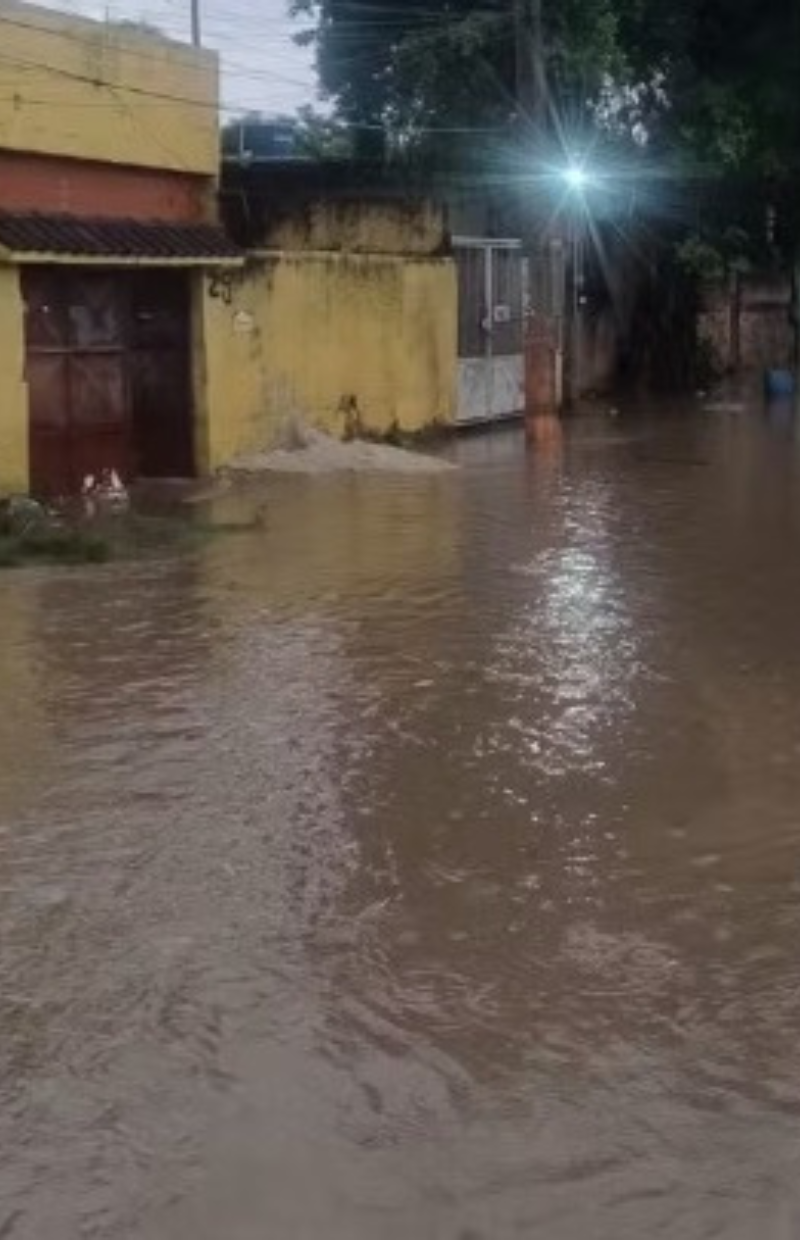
x=306 y=451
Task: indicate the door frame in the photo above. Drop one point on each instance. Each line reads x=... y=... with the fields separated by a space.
x=60 y=444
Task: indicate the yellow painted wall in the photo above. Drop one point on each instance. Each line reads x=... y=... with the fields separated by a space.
x=13 y=390
x=308 y=334
x=415 y=226
x=87 y=90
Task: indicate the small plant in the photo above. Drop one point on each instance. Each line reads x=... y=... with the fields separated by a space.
x=52 y=546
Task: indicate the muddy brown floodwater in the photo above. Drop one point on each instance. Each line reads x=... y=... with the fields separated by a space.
x=423 y=866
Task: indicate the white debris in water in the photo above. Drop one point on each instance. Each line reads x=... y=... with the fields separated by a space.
x=307 y=451
x=106 y=490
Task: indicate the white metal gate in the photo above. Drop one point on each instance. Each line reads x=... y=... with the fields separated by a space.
x=492 y=302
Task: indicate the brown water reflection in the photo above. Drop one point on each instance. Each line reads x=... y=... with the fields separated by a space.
x=422 y=865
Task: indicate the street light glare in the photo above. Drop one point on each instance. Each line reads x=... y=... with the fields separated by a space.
x=576 y=177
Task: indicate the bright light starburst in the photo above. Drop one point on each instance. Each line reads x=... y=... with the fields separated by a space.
x=576 y=177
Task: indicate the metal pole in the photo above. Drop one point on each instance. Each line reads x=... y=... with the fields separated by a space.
x=577 y=378
x=541 y=380
x=196 y=32
x=576 y=313
x=531 y=76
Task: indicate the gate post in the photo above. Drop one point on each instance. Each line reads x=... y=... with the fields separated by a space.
x=541 y=369
x=544 y=350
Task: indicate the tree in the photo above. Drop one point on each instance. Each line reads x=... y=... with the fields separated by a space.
x=726 y=73
x=407 y=66
x=734 y=124
x=321 y=137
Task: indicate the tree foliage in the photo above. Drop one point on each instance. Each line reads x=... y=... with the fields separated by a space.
x=407 y=64
x=718 y=79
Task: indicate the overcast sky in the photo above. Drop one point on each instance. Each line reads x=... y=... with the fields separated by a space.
x=262 y=68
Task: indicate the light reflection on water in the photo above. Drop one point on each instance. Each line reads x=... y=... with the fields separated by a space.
x=422 y=864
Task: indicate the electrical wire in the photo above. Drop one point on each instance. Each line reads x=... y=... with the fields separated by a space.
x=441 y=25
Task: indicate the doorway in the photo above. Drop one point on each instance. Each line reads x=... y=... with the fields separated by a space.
x=108 y=367
x=492 y=298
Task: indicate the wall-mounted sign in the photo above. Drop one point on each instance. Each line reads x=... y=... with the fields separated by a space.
x=243 y=323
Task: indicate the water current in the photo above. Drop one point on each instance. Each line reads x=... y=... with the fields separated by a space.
x=423 y=865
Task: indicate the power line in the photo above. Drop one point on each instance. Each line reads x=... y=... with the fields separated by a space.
x=106 y=27
x=438 y=25
x=158 y=54
x=89 y=80
x=109 y=28
x=269 y=76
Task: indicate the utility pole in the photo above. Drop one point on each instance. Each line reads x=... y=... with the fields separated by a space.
x=542 y=381
x=196 y=35
x=531 y=75
x=575 y=334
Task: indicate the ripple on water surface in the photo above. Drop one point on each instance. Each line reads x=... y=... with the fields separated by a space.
x=423 y=863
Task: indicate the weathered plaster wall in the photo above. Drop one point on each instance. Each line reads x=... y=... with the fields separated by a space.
x=323 y=336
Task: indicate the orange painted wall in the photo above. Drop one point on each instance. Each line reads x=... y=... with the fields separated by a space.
x=78 y=187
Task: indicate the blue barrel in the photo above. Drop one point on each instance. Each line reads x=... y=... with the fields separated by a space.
x=779 y=383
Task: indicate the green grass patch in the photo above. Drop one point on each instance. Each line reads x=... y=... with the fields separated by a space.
x=53 y=545
x=56 y=539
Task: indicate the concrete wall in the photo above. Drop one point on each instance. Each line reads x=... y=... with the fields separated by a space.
x=13 y=390
x=91 y=91
x=321 y=335
x=413 y=227
x=746 y=322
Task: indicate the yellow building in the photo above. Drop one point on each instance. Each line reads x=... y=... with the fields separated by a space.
x=135 y=336
x=108 y=168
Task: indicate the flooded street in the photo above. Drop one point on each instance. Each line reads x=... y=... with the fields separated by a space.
x=421 y=866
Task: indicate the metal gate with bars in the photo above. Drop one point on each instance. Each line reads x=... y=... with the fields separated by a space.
x=492 y=304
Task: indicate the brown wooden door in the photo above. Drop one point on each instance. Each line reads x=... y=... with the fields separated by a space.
x=76 y=371
x=108 y=370
x=160 y=376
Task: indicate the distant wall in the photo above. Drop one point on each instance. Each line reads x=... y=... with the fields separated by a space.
x=358 y=227
x=324 y=335
x=746 y=322
x=310 y=207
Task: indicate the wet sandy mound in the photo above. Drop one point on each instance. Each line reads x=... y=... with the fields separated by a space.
x=307 y=451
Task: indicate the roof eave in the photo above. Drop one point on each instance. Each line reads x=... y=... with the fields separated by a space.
x=49 y=259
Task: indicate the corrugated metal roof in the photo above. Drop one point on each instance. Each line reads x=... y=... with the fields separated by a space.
x=34 y=232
